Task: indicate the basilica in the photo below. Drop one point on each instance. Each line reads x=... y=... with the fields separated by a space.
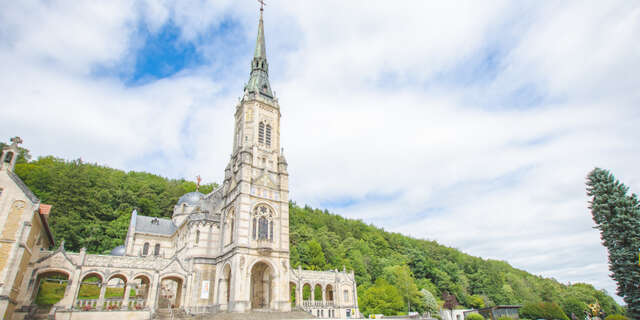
x=226 y=251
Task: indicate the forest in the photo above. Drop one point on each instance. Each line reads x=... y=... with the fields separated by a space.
x=92 y=206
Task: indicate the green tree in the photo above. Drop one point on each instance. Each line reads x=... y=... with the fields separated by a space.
x=402 y=278
x=617 y=216
x=476 y=302
x=381 y=298
x=474 y=316
x=430 y=303
x=573 y=305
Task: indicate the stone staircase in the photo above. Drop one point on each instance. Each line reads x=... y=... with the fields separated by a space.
x=165 y=314
x=266 y=315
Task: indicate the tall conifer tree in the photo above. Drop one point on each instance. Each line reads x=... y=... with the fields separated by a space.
x=617 y=216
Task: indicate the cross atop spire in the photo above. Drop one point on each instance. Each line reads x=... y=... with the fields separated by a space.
x=259 y=79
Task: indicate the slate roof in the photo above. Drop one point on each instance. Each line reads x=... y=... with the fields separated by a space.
x=155 y=225
x=32 y=197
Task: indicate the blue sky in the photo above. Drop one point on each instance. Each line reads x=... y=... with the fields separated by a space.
x=436 y=120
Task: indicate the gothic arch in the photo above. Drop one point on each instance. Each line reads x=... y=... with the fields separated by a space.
x=271 y=265
x=172 y=275
x=54 y=270
x=96 y=272
x=224 y=286
x=263 y=222
x=143 y=274
x=266 y=204
x=117 y=274
x=263 y=289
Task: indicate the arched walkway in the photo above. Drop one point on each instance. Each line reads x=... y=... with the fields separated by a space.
x=293 y=294
x=317 y=293
x=261 y=286
x=141 y=285
x=306 y=295
x=116 y=293
x=329 y=294
x=224 y=288
x=90 y=291
x=49 y=288
x=170 y=292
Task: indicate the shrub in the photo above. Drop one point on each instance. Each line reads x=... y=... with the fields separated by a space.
x=50 y=293
x=505 y=318
x=542 y=310
x=474 y=316
x=616 y=317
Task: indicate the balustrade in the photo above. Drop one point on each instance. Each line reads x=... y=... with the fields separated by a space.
x=318 y=304
x=110 y=304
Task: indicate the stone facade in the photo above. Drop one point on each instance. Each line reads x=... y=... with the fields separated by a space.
x=223 y=251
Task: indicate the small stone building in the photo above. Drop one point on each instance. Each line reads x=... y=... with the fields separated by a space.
x=226 y=251
x=24 y=230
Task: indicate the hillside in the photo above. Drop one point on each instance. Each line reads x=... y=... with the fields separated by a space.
x=92 y=206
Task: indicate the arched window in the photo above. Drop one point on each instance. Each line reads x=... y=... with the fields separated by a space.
x=156 y=250
x=8 y=157
x=263 y=229
x=268 y=136
x=197 y=237
x=145 y=249
x=262 y=223
x=261 y=132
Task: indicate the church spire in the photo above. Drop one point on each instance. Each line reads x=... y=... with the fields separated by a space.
x=259 y=79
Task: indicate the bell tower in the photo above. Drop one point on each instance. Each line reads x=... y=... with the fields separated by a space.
x=10 y=154
x=255 y=217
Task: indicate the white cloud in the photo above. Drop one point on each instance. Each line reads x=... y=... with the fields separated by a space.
x=473 y=124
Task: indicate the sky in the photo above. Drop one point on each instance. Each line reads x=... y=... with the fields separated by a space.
x=472 y=123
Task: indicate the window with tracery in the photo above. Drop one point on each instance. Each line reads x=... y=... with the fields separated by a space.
x=261 y=132
x=156 y=251
x=262 y=228
x=145 y=249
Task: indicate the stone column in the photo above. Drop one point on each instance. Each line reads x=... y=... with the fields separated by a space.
x=312 y=296
x=152 y=294
x=125 y=300
x=324 y=295
x=72 y=287
x=298 y=295
x=103 y=291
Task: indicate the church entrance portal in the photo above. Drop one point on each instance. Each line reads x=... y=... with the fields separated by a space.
x=261 y=286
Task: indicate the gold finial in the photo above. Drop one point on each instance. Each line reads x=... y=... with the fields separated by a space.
x=198 y=179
